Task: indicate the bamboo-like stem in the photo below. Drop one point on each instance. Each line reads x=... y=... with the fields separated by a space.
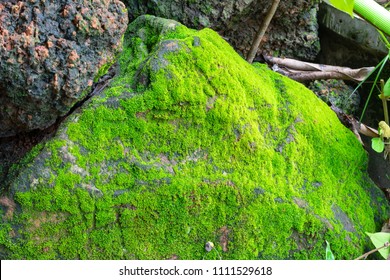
x=259 y=35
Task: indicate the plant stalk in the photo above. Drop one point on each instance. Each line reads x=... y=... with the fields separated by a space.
x=382 y=65
x=364 y=256
x=384 y=102
x=259 y=35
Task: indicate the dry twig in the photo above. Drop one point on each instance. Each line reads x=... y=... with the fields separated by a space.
x=259 y=35
x=364 y=256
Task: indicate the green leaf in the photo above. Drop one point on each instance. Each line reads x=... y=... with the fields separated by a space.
x=379 y=239
x=386 y=90
x=344 y=5
x=377 y=145
x=329 y=254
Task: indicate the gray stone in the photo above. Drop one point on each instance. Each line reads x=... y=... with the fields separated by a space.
x=352 y=28
x=348 y=41
x=293 y=31
x=50 y=52
x=338 y=94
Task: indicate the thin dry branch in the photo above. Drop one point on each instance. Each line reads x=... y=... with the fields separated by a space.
x=259 y=35
x=356 y=127
x=364 y=256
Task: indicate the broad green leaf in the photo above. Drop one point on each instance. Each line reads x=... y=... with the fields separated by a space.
x=329 y=254
x=377 y=145
x=343 y=5
x=379 y=239
x=386 y=90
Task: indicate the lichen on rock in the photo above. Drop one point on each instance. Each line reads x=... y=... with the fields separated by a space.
x=191 y=144
x=50 y=52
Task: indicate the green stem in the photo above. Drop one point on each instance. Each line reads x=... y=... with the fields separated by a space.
x=384 y=102
x=385 y=41
x=366 y=78
x=383 y=62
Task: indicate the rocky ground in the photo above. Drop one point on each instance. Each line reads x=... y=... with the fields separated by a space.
x=51 y=53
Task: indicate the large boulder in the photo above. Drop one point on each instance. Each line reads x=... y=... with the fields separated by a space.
x=50 y=52
x=191 y=144
x=293 y=31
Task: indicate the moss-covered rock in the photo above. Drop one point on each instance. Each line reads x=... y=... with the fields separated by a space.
x=191 y=144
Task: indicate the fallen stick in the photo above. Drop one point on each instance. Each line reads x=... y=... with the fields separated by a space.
x=356 y=127
x=262 y=30
x=364 y=256
x=303 y=71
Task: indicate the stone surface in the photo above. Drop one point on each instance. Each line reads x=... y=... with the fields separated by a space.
x=352 y=29
x=191 y=144
x=347 y=41
x=337 y=93
x=50 y=53
x=293 y=31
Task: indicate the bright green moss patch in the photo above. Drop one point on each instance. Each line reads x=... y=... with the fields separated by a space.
x=191 y=144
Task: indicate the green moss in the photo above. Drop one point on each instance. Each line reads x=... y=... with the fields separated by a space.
x=102 y=71
x=191 y=144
